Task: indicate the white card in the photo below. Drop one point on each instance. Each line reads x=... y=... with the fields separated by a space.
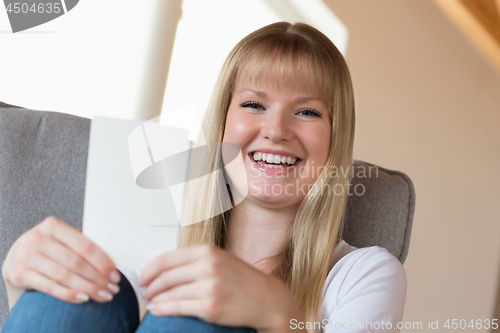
x=133 y=224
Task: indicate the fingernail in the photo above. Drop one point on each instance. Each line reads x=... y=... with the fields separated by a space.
x=113 y=288
x=82 y=298
x=150 y=307
x=105 y=295
x=115 y=277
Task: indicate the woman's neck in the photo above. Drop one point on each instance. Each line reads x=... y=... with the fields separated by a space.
x=256 y=234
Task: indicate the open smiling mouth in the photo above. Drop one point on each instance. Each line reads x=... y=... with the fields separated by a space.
x=273 y=160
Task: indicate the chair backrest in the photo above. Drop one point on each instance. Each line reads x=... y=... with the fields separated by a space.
x=43 y=161
x=379 y=209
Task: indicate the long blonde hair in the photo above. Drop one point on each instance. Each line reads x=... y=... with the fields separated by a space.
x=290 y=54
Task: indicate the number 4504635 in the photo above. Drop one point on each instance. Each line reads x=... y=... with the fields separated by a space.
x=25 y=8
x=462 y=324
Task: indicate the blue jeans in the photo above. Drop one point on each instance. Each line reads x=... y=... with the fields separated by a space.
x=38 y=312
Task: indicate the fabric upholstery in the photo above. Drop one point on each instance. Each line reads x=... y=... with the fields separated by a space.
x=43 y=160
x=380 y=209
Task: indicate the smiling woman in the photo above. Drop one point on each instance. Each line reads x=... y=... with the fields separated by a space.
x=260 y=254
x=284 y=90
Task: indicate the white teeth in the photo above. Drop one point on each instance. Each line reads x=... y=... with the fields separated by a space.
x=274 y=159
x=270 y=165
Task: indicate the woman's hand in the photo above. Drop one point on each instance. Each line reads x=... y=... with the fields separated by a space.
x=212 y=284
x=58 y=260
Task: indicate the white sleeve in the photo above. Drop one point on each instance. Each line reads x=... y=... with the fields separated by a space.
x=366 y=293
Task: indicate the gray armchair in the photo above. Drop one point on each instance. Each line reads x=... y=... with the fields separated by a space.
x=43 y=160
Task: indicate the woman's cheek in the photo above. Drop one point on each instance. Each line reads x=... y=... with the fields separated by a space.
x=240 y=130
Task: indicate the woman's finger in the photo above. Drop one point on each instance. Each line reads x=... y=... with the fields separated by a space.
x=195 y=290
x=175 y=258
x=186 y=307
x=204 y=309
x=81 y=245
x=171 y=278
x=67 y=278
x=41 y=283
x=73 y=262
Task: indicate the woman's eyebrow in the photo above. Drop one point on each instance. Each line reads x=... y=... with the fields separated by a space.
x=256 y=92
x=264 y=95
x=307 y=99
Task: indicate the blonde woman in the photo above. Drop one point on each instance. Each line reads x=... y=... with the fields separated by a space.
x=272 y=263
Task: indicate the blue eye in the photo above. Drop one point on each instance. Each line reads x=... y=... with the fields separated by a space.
x=310 y=113
x=252 y=105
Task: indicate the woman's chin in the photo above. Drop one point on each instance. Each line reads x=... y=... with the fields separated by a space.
x=272 y=196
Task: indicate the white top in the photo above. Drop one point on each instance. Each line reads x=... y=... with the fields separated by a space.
x=365 y=291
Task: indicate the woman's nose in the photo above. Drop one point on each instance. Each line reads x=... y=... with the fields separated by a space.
x=277 y=127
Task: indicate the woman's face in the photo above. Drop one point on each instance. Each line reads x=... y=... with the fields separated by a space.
x=284 y=136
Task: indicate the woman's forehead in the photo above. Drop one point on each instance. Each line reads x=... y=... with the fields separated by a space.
x=267 y=81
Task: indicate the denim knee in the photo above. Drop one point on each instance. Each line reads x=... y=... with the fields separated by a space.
x=185 y=325
x=37 y=312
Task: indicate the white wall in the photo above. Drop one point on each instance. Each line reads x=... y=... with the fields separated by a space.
x=428 y=103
